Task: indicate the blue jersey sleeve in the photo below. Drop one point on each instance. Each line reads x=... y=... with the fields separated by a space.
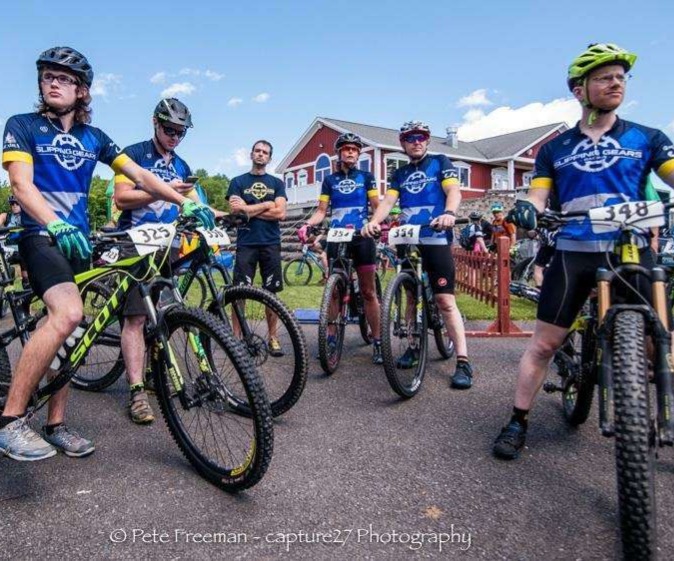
x=109 y=153
x=394 y=184
x=543 y=169
x=326 y=192
x=662 y=160
x=17 y=144
x=449 y=175
x=371 y=186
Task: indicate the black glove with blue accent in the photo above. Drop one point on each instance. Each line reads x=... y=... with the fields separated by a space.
x=523 y=214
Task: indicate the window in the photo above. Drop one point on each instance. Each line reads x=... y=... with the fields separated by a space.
x=323 y=168
x=464 y=173
x=527 y=176
x=393 y=163
x=290 y=180
x=499 y=178
x=302 y=178
x=365 y=163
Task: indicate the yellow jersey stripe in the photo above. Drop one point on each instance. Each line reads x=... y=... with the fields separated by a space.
x=373 y=193
x=119 y=162
x=541 y=183
x=450 y=181
x=665 y=169
x=392 y=192
x=324 y=198
x=16 y=156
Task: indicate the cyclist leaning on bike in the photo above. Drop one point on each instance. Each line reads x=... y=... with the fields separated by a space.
x=171 y=120
x=429 y=192
x=603 y=160
x=348 y=191
x=50 y=157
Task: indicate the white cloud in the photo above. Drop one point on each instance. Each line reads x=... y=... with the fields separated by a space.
x=234 y=101
x=476 y=98
x=502 y=120
x=189 y=72
x=158 y=78
x=105 y=83
x=179 y=88
x=213 y=75
x=261 y=98
x=232 y=164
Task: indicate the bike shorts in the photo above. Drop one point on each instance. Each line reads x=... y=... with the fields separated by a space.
x=269 y=259
x=46 y=265
x=438 y=263
x=363 y=251
x=544 y=255
x=572 y=276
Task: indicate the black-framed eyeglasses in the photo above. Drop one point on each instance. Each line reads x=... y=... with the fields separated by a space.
x=171 y=132
x=63 y=79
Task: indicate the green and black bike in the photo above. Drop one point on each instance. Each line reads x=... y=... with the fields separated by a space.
x=201 y=373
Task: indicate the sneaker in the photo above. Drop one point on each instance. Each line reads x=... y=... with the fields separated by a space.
x=69 y=442
x=376 y=354
x=463 y=376
x=275 y=348
x=510 y=442
x=139 y=408
x=409 y=359
x=19 y=442
x=148 y=382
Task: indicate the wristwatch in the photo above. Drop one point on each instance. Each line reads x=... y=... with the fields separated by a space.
x=450 y=212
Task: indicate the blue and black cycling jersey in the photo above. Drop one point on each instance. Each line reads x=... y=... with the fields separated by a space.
x=422 y=197
x=348 y=195
x=63 y=163
x=582 y=175
x=146 y=155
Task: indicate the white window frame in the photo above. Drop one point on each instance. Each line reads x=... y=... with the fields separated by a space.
x=326 y=171
x=393 y=156
x=302 y=178
x=527 y=176
x=464 y=165
x=365 y=158
x=500 y=172
x=290 y=175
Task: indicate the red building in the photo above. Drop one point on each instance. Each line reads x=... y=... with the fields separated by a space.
x=490 y=165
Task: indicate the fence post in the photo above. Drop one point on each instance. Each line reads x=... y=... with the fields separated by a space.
x=503 y=325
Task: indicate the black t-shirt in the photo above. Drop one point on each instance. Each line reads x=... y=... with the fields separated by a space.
x=255 y=189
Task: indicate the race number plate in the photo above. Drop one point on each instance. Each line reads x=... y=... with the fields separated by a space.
x=340 y=234
x=641 y=214
x=151 y=237
x=216 y=236
x=404 y=235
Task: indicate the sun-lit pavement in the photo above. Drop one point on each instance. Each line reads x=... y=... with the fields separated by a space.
x=357 y=473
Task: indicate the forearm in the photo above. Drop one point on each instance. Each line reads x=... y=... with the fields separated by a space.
x=151 y=184
x=453 y=198
x=130 y=198
x=273 y=214
x=539 y=198
x=383 y=209
x=317 y=217
x=32 y=202
x=257 y=209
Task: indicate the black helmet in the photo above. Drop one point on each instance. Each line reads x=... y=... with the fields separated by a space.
x=475 y=215
x=68 y=59
x=12 y=199
x=348 y=138
x=172 y=110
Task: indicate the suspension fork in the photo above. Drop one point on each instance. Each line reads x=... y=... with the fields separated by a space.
x=605 y=354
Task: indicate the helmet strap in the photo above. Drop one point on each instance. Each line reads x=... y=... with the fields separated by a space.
x=160 y=144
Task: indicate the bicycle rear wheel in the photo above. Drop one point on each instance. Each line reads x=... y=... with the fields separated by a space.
x=104 y=362
x=404 y=339
x=229 y=450
x=297 y=272
x=578 y=387
x=331 y=323
x=443 y=341
x=284 y=375
x=634 y=438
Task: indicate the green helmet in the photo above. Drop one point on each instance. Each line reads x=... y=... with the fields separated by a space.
x=596 y=55
x=395 y=210
x=497 y=207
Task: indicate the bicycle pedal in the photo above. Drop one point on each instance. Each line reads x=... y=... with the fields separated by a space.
x=550 y=387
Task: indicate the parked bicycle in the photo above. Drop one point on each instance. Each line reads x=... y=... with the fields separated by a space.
x=200 y=371
x=608 y=346
x=387 y=260
x=408 y=311
x=300 y=270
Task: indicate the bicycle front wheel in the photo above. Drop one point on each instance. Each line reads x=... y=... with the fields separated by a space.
x=404 y=336
x=195 y=388
x=634 y=438
x=282 y=364
x=331 y=323
x=104 y=362
x=297 y=272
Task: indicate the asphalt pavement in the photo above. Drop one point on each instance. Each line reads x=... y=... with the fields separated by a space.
x=357 y=473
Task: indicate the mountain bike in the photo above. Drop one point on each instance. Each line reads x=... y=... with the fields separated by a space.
x=201 y=372
x=386 y=259
x=242 y=310
x=408 y=311
x=342 y=301
x=608 y=346
x=299 y=270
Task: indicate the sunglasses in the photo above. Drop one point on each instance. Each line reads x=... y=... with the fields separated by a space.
x=171 y=132
x=414 y=138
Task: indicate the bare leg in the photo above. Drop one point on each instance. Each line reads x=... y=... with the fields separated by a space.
x=372 y=308
x=133 y=348
x=453 y=321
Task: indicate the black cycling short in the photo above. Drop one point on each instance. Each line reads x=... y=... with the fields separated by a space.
x=269 y=258
x=570 y=279
x=46 y=265
x=438 y=263
x=544 y=255
x=363 y=251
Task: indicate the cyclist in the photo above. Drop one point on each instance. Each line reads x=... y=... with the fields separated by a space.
x=171 y=120
x=12 y=219
x=263 y=198
x=475 y=233
x=429 y=191
x=50 y=157
x=603 y=160
x=348 y=192
x=500 y=227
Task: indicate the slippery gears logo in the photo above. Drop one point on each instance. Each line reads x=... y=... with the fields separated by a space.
x=258 y=190
x=164 y=171
x=346 y=186
x=589 y=157
x=416 y=182
x=68 y=151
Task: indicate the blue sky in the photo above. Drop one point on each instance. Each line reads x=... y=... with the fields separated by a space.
x=265 y=69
